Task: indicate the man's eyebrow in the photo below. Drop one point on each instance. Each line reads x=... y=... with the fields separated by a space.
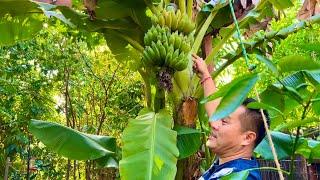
x=226 y=118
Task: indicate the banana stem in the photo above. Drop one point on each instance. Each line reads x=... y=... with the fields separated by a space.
x=159 y=100
x=189 y=8
x=151 y=6
x=147 y=89
x=182 y=5
x=202 y=32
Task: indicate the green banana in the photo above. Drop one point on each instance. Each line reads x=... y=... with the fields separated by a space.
x=189 y=27
x=156 y=51
x=168 y=19
x=185 y=47
x=190 y=38
x=178 y=40
x=173 y=19
x=177 y=20
x=169 y=54
x=182 y=23
x=147 y=56
x=164 y=38
x=161 y=21
x=171 y=39
x=162 y=50
x=154 y=19
x=151 y=54
x=148 y=38
x=182 y=63
x=174 y=58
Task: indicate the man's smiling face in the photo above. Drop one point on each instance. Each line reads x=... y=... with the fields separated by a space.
x=227 y=134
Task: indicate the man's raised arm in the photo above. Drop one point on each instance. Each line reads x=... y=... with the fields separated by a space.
x=207 y=83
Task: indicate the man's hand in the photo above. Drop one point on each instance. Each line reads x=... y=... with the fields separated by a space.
x=207 y=83
x=200 y=66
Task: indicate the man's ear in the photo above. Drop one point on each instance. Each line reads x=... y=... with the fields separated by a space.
x=249 y=137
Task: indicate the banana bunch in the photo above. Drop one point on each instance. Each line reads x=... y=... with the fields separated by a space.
x=162 y=54
x=181 y=42
x=163 y=34
x=156 y=33
x=168 y=44
x=175 y=21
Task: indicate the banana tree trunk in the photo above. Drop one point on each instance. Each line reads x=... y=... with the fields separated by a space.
x=185 y=115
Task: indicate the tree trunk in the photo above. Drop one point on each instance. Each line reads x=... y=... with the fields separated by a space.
x=28 y=160
x=6 y=171
x=74 y=169
x=88 y=170
x=185 y=115
x=68 y=169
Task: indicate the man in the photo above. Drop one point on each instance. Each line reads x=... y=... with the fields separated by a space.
x=234 y=137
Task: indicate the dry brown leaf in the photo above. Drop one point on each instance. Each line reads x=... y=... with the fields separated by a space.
x=308 y=9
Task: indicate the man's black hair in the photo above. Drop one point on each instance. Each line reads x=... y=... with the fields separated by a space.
x=255 y=119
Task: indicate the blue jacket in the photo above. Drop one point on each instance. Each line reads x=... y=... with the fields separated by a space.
x=216 y=171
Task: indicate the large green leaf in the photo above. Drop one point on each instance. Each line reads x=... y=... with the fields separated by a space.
x=294 y=80
x=274 y=97
x=315 y=151
x=70 y=143
x=283 y=144
x=259 y=105
x=281 y=4
x=203 y=118
x=292 y=93
x=119 y=47
x=297 y=63
x=316 y=105
x=234 y=97
x=82 y=21
x=268 y=63
x=241 y=175
x=310 y=47
x=149 y=147
x=111 y=10
x=14 y=29
x=294 y=124
x=313 y=77
x=309 y=149
x=224 y=89
x=18 y=7
x=188 y=141
x=136 y=3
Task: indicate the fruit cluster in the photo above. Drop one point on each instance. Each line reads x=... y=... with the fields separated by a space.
x=168 y=42
x=164 y=48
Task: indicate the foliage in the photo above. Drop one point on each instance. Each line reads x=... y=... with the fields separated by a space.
x=70 y=143
x=32 y=85
x=156 y=156
x=80 y=77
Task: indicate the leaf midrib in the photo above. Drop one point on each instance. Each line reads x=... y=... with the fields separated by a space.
x=152 y=148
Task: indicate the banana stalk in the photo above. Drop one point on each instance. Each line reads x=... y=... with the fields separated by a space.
x=189 y=8
x=182 y=6
x=202 y=32
x=159 y=100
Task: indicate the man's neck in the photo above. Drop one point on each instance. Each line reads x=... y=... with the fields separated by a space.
x=229 y=157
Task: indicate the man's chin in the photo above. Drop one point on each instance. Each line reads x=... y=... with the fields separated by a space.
x=210 y=144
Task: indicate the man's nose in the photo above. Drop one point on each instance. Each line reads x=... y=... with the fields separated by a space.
x=214 y=125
